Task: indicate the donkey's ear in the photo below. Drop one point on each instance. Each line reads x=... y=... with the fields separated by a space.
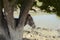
x=29 y=16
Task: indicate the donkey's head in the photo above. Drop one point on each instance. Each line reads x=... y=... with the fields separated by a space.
x=29 y=20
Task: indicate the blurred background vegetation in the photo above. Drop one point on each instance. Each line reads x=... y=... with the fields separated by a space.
x=45 y=5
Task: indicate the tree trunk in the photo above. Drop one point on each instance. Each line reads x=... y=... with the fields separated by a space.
x=16 y=33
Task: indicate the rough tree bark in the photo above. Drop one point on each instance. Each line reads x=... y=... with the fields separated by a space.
x=16 y=33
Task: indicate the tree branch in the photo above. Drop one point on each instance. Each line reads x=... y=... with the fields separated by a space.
x=4 y=31
x=25 y=7
x=9 y=13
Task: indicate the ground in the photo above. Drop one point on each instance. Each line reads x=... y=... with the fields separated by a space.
x=41 y=34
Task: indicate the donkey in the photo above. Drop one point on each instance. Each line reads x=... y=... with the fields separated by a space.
x=29 y=21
